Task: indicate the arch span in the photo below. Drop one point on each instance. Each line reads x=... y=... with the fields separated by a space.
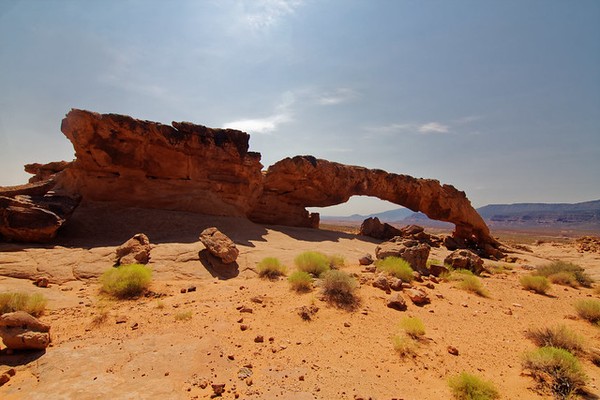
x=293 y=184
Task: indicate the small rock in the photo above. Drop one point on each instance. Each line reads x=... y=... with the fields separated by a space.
x=121 y=320
x=370 y=268
x=259 y=339
x=464 y=305
x=453 y=350
x=134 y=251
x=182 y=290
x=347 y=324
x=306 y=313
x=367 y=259
x=396 y=302
x=135 y=326
x=257 y=300
x=245 y=309
x=301 y=378
x=244 y=373
x=4 y=378
x=243 y=327
x=231 y=357
x=218 y=388
x=42 y=282
x=437 y=270
x=191 y=289
x=219 y=245
x=508 y=312
x=396 y=284
x=517 y=305
x=382 y=283
x=430 y=285
x=418 y=296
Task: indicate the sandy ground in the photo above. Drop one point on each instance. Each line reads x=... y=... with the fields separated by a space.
x=139 y=349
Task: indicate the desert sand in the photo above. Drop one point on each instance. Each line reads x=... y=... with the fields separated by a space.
x=138 y=349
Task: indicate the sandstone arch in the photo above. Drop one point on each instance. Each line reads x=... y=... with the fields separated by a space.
x=293 y=184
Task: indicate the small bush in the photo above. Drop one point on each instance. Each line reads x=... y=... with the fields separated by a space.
x=589 y=309
x=126 y=281
x=556 y=369
x=183 y=316
x=565 y=273
x=339 y=287
x=397 y=267
x=413 y=327
x=34 y=304
x=537 y=283
x=470 y=387
x=404 y=345
x=270 y=268
x=313 y=262
x=560 y=337
x=472 y=284
x=300 y=281
x=457 y=274
x=336 y=261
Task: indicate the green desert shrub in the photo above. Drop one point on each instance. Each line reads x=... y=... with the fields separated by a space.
x=34 y=304
x=300 y=281
x=471 y=283
x=270 y=268
x=565 y=273
x=537 y=283
x=589 y=309
x=397 y=267
x=404 y=345
x=466 y=386
x=126 y=281
x=556 y=369
x=559 y=336
x=339 y=287
x=413 y=327
x=336 y=261
x=313 y=262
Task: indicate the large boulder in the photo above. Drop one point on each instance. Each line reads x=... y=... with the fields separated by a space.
x=21 y=331
x=373 y=227
x=412 y=251
x=219 y=245
x=465 y=259
x=134 y=251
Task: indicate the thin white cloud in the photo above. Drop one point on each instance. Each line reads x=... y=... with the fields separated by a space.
x=262 y=14
x=433 y=127
x=283 y=113
x=338 y=96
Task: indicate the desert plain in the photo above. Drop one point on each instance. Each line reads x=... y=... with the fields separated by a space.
x=246 y=333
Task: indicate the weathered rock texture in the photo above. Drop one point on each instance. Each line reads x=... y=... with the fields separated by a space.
x=134 y=251
x=33 y=217
x=21 y=331
x=219 y=245
x=147 y=164
x=373 y=227
x=465 y=259
x=293 y=184
x=411 y=250
x=189 y=167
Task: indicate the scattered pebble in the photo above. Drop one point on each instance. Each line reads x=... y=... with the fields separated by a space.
x=259 y=339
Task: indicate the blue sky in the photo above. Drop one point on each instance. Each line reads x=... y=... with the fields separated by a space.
x=498 y=98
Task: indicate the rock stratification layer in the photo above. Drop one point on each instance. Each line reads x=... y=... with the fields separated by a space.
x=147 y=164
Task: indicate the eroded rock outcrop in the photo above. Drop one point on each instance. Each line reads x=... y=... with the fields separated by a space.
x=293 y=184
x=134 y=251
x=374 y=228
x=183 y=167
x=189 y=167
x=219 y=245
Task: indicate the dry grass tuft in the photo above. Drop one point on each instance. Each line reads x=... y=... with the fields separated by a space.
x=471 y=283
x=466 y=386
x=300 y=281
x=313 y=262
x=559 y=336
x=270 y=268
x=413 y=327
x=396 y=267
x=404 y=345
x=126 y=281
x=34 y=304
x=556 y=369
x=565 y=273
x=537 y=283
x=338 y=287
x=183 y=316
x=589 y=309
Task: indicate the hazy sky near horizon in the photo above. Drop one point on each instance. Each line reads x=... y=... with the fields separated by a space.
x=499 y=98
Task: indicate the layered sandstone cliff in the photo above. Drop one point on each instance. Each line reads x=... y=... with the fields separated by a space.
x=147 y=164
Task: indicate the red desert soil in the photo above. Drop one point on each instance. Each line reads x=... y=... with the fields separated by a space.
x=140 y=349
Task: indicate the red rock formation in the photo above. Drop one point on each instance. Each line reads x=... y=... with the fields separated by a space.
x=147 y=164
x=292 y=184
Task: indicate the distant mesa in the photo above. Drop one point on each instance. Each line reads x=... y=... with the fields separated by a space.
x=194 y=168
